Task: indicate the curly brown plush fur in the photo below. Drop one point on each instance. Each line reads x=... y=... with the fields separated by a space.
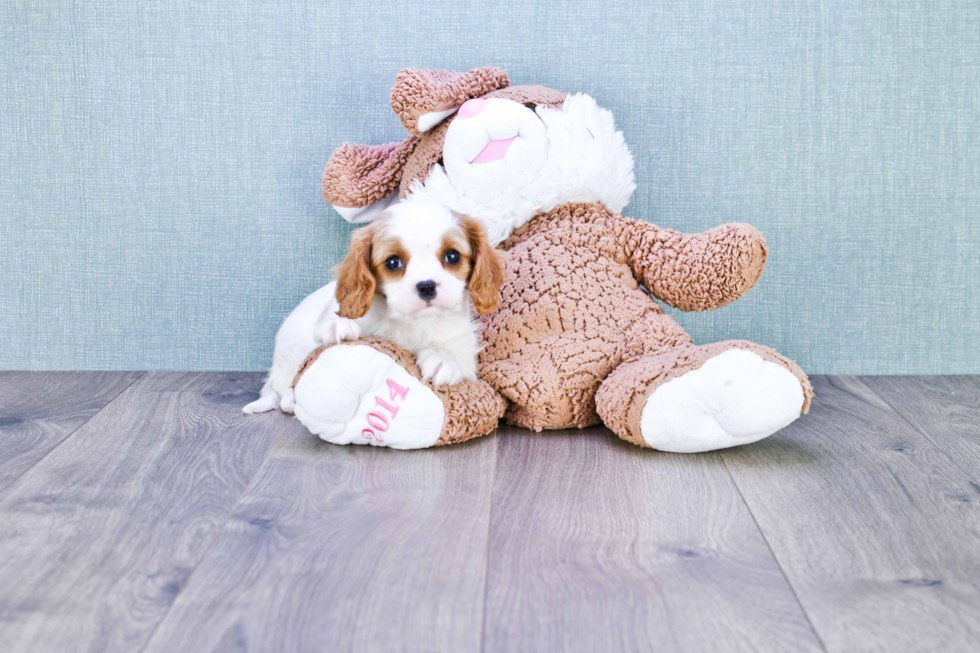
x=417 y=92
x=572 y=310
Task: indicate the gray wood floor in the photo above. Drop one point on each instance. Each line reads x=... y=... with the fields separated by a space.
x=143 y=512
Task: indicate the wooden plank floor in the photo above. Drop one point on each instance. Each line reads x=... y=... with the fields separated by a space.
x=143 y=512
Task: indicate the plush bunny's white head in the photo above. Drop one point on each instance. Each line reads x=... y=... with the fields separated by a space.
x=504 y=163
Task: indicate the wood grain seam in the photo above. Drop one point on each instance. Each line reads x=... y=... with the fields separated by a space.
x=486 y=570
x=772 y=553
x=13 y=481
x=939 y=449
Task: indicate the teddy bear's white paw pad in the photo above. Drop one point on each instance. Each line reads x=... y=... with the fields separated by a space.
x=354 y=394
x=734 y=398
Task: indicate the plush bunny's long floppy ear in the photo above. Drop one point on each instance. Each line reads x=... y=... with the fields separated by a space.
x=424 y=98
x=361 y=181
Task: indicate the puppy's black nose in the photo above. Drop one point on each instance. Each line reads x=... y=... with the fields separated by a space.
x=427 y=290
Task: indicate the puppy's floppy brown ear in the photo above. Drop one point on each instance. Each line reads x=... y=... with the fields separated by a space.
x=487 y=273
x=355 y=281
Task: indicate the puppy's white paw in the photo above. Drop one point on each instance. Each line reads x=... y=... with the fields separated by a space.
x=439 y=367
x=334 y=330
x=286 y=403
x=263 y=404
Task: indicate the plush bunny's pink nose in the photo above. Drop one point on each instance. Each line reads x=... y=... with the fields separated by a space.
x=472 y=107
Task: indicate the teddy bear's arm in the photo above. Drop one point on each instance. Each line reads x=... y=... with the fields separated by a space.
x=694 y=272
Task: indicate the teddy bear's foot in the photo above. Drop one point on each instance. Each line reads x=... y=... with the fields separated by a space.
x=369 y=391
x=734 y=398
x=704 y=398
x=354 y=394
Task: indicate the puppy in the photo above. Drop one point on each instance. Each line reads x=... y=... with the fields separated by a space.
x=413 y=276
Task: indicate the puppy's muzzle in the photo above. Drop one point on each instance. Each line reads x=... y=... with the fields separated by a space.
x=426 y=290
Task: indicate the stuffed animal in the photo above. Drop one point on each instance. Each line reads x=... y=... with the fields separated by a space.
x=579 y=338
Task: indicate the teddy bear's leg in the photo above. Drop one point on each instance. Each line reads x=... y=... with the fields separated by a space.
x=369 y=391
x=700 y=398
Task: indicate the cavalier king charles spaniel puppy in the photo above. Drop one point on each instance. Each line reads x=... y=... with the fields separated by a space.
x=413 y=276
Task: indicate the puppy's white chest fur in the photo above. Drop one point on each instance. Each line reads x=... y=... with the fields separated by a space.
x=422 y=331
x=445 y=343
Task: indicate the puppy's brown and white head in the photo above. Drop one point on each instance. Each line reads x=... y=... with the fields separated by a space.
x=424 y=259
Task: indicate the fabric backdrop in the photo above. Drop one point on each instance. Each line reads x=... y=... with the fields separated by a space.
x=160 y=204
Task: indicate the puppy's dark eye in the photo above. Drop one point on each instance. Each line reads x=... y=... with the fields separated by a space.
x=451 y=257
x=393 y=263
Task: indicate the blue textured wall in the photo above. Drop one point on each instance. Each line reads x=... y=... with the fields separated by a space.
x=159 y=200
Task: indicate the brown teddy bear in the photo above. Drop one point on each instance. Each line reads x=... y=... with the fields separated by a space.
x=578 y=339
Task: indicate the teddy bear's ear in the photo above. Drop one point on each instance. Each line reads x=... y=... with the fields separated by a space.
x=362 y=180
x=424 y=98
